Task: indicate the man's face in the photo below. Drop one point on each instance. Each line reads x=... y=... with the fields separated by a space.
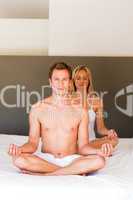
x=60 y=81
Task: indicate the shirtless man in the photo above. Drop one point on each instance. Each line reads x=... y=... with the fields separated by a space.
x=64 y=135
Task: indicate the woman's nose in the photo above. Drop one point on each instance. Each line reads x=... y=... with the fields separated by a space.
x=81 y=82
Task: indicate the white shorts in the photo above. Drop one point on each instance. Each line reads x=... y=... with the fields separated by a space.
x=57 y=161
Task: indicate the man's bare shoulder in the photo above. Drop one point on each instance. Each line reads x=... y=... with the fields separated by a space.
x=41 y=105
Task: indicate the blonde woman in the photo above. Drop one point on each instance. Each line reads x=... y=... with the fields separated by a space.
x=83 y=86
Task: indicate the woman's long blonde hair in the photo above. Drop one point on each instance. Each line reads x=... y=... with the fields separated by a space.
x=90 y=87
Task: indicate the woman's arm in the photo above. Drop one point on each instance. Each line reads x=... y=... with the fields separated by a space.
x=101 y=128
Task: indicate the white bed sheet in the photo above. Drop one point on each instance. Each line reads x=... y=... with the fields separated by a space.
x=114 y=182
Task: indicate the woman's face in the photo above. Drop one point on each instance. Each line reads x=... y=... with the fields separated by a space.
x=81 y=80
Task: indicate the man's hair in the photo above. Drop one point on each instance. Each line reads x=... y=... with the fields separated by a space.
x=60 y=66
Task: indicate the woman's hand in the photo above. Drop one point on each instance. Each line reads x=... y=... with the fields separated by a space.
x=111 y=134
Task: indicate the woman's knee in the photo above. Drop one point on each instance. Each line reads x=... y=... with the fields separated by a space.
x=100 y=162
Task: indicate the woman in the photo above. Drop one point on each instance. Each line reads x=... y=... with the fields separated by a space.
x=82 y=84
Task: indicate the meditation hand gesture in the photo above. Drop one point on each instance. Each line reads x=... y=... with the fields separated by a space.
x=106 y=150
x=14 y=150
x=111 y=134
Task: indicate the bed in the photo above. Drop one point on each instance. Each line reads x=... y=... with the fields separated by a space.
x=114 y=182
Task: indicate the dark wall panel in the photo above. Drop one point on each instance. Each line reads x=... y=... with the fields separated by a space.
x=112 y=75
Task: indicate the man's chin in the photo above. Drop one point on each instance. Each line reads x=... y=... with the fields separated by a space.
x=61 y=92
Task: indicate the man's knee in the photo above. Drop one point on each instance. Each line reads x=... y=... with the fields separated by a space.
x=98 y=162
x=20 y=162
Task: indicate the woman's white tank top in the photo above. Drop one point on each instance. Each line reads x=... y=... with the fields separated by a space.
x=92 y=118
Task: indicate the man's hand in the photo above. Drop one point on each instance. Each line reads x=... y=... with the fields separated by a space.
x=106 y=150
x=14 y=150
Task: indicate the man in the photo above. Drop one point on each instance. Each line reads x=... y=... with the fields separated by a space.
x=62 y=127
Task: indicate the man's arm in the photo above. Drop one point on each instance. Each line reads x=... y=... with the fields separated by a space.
x=34 y=136
x=84 y=147
x=83 y=136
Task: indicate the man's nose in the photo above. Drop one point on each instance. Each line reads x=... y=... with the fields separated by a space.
x=60 y=83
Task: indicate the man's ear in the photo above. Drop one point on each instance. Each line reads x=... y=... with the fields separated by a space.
x=50 y=82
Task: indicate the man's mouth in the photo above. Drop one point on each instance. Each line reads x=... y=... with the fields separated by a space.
x=60 y=89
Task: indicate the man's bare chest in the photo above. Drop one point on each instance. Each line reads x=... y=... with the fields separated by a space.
x=59 y=118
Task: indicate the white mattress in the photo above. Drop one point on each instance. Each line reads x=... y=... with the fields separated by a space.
x=114 y=182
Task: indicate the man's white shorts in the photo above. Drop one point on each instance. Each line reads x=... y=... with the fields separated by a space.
x=57 y=161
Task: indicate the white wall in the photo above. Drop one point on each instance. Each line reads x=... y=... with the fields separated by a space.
x=91 y=27
x=24 y=36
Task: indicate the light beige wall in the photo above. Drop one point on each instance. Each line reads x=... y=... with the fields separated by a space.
x=24 y=8
x=24 y=36
x=91 y=27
